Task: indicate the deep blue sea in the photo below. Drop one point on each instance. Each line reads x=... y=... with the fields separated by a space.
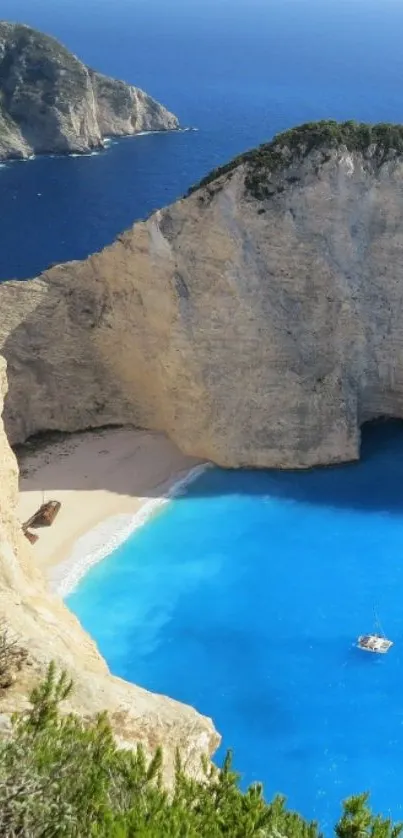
x=244 y=598
x=238 y=70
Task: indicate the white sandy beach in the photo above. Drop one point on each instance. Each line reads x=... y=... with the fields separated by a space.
x=108 y=482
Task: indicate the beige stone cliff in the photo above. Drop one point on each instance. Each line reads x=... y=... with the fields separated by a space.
x=259 y=331
x=47 y=629
x=50 y=102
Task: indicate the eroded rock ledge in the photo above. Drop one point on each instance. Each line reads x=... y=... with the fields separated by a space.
x=50 y=102
x=257 y=322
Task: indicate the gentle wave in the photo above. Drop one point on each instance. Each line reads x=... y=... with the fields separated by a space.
x=96 y=545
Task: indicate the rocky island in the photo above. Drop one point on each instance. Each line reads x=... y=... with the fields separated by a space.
x=50 y=102
x=257 y=322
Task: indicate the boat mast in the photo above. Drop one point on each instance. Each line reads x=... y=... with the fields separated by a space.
x=378 y=624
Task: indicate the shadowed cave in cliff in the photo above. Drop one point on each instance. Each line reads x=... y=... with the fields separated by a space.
x=374 y=483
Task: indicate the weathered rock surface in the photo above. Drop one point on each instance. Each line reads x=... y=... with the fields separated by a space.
x=51 y=102
x=49 y=631
x=258 y=331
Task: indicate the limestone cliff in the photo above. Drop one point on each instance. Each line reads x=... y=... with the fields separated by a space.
x=257 y=322
x=49 y=631
x=51 y=102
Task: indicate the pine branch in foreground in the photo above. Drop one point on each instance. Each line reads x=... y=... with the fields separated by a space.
x=63 y=778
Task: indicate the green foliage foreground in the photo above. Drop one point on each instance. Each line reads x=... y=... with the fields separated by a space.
x=61 y=777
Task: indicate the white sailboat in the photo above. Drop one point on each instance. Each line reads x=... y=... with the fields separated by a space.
x=377 y=643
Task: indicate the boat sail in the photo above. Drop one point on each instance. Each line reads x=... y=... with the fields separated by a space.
x=377 y=643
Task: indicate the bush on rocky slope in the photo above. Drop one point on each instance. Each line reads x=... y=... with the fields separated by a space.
x=376 y=141
x=60 y=776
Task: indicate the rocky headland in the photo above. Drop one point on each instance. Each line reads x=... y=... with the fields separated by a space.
x=257 y=322
x=50 y=102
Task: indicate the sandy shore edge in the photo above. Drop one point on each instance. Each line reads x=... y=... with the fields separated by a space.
x=102 y=540
x=109 y=482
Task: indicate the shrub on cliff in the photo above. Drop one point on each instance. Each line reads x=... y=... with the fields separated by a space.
x=378 y=142
x=61 y=778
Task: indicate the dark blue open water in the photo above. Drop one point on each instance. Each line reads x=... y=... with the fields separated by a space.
x=239 y=70
x=244 y=599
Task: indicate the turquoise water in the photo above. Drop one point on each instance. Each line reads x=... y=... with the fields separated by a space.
x=244 y=597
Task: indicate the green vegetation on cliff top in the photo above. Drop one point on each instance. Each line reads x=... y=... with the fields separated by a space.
x=377 y=141
x=63 y=778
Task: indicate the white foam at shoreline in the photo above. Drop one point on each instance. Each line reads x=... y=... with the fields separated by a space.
x=110 y=534
x=108 y=142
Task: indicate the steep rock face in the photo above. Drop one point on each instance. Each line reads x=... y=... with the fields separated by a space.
x=51 y=102
x=257 y=322
x=50 y=632
x=122 y=109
